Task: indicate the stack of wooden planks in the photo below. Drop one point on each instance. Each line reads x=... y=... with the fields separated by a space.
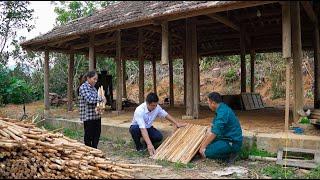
x=251 y=101
x=27 y=151
x=315 y=114
x=182 y=145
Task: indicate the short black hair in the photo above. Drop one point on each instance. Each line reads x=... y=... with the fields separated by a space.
x=152 y=97
x=91 y=74
x=214 y=96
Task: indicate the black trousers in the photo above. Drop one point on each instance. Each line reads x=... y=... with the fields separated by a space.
x=92 y=131
x=154 y=135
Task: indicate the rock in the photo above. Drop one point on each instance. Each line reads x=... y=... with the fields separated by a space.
x=240 y=171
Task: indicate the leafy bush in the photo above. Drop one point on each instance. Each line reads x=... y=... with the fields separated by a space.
x=231 y=75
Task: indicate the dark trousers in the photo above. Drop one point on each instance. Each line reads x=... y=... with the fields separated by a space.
x=154 y=135
x=92 y=130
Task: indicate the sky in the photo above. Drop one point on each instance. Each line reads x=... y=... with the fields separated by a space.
x=44 y=19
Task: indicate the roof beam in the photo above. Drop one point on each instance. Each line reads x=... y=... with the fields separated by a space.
x=225 y=21
x=158 y=29
x=310 y=12
x=96 y=43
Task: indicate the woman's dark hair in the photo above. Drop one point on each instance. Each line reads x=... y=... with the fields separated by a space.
x=90 y=74
x=214 y=96
x=84 y=77
x=152 y=97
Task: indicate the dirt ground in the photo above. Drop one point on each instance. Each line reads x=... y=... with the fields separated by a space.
x=267 y=120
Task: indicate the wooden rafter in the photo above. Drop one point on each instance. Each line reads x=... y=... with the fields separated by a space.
x=310 y=12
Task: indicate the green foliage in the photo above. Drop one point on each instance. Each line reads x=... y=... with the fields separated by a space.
x=279 y=172
x=246 y=151
x=14 y=16
x=231 y=75
x=70 y=10
x=314 y=174
x=304 y=120
x=14 y=89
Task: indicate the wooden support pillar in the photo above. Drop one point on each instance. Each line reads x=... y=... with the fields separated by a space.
x=286 y=54
x=46 y=80
x=95 y=62
x=141 y=67
x=91 y=53
x=119 y=72
x=184 y=72
x=70 y=81
x=196 y=78
x=252 y=62
x=165 y=43
x=154 y=75
x=316 y=48
x=124 y=73
x=190 y=31
x=297 y=59
x=243 y=58
x=171 y=93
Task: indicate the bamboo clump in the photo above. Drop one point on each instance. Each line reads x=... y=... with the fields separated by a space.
x=27 y=151
x=183 y=145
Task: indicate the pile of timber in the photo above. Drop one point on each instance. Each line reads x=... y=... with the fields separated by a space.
x=57 y=100
x=27 y=151
x=315 y=114
x=183 y=145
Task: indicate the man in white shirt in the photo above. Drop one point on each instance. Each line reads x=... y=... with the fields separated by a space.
x=141 y=125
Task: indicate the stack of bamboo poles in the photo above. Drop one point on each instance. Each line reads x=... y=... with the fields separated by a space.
x=182 y=145
x=27 y=151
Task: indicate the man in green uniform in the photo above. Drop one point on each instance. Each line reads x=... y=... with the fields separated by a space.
x=224 y=140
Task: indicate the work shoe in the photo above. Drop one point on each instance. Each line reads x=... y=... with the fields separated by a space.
x=232 y=158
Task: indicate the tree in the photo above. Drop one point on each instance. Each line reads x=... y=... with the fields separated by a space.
x=14 y=15
x=70 y=10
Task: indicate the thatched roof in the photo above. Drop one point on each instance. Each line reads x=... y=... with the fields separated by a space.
x=129 y=16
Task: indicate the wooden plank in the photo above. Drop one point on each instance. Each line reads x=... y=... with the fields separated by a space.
x=245 y=101
x=225 y=21
x=250 y=99
x=182 y=145
x=255 y=101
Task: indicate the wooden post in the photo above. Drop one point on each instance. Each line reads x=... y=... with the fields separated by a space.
x=91 y=53
x=119 y=72
x=141 y=67
x=46 y=80
x=196 y=78
x=316 y=48
x=190 y=26
x=124 y=73
x=70 y=81
x=184 y=72
x=95 y=62
x=286 y=54
x=297 y=59
x=252 y=62
x=154 y=70
x=243 y=58
x=165 y=44
x=171 y=93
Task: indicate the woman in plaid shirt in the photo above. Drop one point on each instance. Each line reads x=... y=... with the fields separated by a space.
x=89 y=98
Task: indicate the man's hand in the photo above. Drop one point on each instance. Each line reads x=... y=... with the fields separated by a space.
x=179 y=125
x=201 y=151
x=151 y=149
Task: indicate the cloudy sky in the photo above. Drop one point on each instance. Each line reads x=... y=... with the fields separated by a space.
x=44 y=20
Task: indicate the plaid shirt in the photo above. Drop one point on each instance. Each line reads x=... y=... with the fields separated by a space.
x=88 y=101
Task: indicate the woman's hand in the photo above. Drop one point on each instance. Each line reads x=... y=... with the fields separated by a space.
x=201 y=151
x=179 y=125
